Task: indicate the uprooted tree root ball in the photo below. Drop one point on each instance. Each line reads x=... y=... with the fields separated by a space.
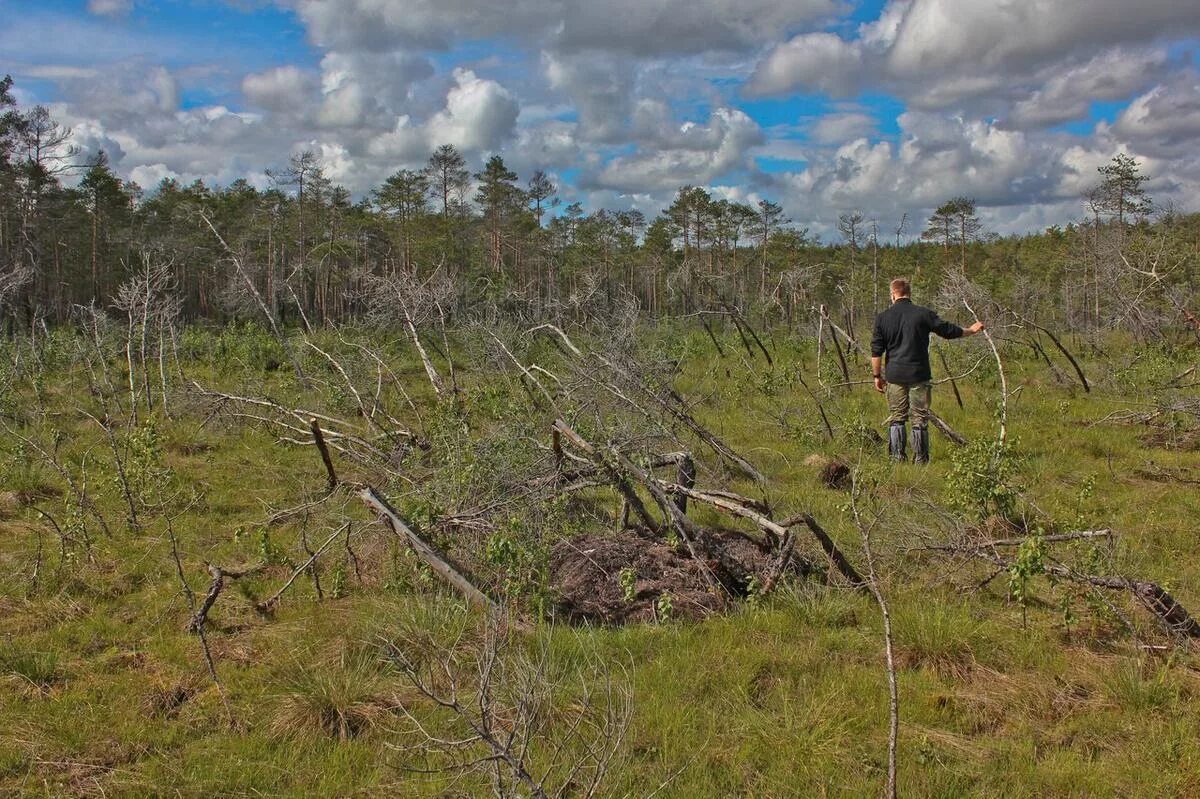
x=630 y=577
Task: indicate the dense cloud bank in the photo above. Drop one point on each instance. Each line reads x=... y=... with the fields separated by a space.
x=1015 y=104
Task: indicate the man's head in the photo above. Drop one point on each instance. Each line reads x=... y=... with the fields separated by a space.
x=900 y=289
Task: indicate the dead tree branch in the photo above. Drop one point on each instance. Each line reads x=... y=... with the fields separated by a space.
x=1003 y=420
x=268 y=604
x=865 y=531
x=190 y=595
x=219 y=576
x=451 y=574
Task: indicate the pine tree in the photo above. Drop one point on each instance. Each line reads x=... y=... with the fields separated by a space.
x=108 y=205
x=498 y=198
x=448 y=175
x=539 y=191
x=954 y=224
x=770 y=218
x=403 y=197
x=1120 y=193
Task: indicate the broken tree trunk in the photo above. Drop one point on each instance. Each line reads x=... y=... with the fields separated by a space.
x=619 y=480
x=851 y=342
x=686 y=476
x=778 y=531
x=713 y=336
x=743 y=326
x=837 y=348
x=1078 y=369
x=440 y=565
x=831 y=550
x=319 y=440
x=775 y=569
x=431 y=372
x=946 y=429
x=1173 y=616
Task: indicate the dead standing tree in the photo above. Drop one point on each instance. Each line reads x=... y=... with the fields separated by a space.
x=260 y=303
x=401 y=300
x=151 y=306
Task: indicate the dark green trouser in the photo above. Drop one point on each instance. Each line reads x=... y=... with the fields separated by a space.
x=909 y=402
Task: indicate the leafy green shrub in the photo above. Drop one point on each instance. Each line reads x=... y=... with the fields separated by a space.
x=145 y=472
x=981 y=480
x=244 y=343
x=663 y=607
x=627 y=579
x=522 y=563
x=1028 y=563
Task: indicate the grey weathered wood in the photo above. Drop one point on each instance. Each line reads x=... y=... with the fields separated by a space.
x=619 y=480
x=219 y=576
x=439 y=563
x=946 y=430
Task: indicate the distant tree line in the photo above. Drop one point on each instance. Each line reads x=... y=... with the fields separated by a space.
x=304 y=252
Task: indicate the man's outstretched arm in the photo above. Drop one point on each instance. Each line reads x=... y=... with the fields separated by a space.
x=950 y=330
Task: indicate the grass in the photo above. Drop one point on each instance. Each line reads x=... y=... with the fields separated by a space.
x=105 y=693
x=39 y=669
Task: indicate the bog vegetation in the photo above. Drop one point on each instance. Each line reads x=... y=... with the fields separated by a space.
x=450 y=491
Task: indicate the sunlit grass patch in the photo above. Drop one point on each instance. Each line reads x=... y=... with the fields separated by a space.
x=941 y=635
x=342 y=699
x=39 y=670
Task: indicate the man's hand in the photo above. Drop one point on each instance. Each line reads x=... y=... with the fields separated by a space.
x=880 y=384
x=975 y=328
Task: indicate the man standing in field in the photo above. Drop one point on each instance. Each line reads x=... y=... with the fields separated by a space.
x=902 y=333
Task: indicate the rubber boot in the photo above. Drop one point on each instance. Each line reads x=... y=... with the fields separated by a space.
x=920 y=444
x=896 y=441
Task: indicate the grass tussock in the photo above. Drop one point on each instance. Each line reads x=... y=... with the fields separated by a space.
x=342 y=699
x=942 y=636
x=40 y=671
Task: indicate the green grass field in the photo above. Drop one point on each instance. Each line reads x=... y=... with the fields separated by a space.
x=104 y=692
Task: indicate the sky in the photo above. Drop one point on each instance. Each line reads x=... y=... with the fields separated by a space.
x=824 y=106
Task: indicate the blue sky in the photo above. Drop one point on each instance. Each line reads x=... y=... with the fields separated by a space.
x=822 y=105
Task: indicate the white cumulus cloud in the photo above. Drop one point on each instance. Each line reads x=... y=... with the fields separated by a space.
x=479 y=114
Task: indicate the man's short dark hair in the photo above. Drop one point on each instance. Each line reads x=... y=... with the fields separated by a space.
x=901 y=287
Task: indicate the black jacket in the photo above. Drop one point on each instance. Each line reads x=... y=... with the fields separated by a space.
x=902 y=332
